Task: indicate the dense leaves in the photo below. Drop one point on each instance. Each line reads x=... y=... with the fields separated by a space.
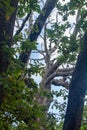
x=27 y=6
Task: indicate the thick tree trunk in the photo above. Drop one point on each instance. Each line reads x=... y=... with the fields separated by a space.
x=77 y=91
x=6 y=33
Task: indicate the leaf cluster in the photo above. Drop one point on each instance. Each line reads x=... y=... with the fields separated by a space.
x=26 y=6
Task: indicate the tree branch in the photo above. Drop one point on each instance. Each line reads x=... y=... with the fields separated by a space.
x=60 y=82
x=60 y=72
x=38 y=25
x=23 y=23
x=49 y=5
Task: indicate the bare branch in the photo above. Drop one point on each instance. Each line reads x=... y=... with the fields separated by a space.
x=41 y=52
x=53 y=49
x=60 y=82
x=53 y=68
x=45 y=43
x=60 y=72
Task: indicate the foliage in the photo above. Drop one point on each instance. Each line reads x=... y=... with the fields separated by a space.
x=8 y=9
x=84 y=116
x=20 y=108
x=27 y=6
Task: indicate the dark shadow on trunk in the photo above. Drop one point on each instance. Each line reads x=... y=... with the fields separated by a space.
x=77 y=90
x=6 y=33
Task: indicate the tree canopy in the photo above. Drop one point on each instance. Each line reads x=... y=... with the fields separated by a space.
x=42 y=40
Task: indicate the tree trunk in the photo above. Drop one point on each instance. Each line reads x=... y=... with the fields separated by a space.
x=6 y=33
x=77 y=90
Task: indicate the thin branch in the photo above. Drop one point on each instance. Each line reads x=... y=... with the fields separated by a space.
x=41 y=52
x=23 y=23
x=45 y=42
x=79 y=18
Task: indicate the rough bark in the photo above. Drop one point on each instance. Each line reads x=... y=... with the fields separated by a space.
x=77 y=90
